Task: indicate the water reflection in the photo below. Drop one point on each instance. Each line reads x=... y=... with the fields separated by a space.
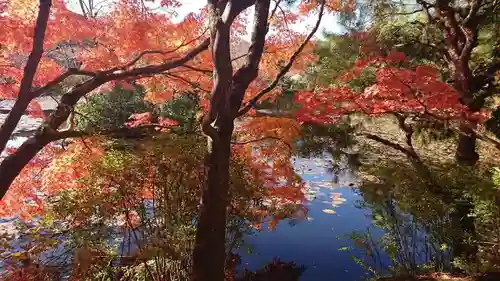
x=429 y=226
x=314 y=242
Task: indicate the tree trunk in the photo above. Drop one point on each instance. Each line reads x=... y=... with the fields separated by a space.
x=210 y=254
x=466 y=150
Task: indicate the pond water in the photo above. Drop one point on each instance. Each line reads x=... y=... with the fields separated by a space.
x=316 y=242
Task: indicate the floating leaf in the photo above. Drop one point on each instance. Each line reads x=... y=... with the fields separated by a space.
x=329 y=211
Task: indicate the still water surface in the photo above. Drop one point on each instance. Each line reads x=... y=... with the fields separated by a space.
x=315 y=242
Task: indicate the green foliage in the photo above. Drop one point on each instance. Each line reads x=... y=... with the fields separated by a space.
x=448 y=216
x=421 y=42
x=336 y=55
x=134 y=209
x=334 y=140
x=110 y=110
x=183 y=109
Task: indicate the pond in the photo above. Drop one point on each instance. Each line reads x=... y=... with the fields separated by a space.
x=317 y=241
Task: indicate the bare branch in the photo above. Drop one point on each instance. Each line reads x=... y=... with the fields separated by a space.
x=239 y=57
x=84 y=9
x=143 y=53
x=275 y=8
x=154 y=69
x=206 y=71
x=192 y=84
x=116 y=132
x=403 y=13
x=426 y=6
x=474 y=8
x=408 y=152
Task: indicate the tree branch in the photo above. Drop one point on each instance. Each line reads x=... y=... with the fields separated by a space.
x=285 y=69
x=72 y=71
x=275 y=8
x=12 y=165
x=113 y=74
x=143 y=53
x=116 y=132
x=471 y=16
x=250 y=69
x=403 y=13
x=194 y=85
x=410 y=153
x=206 y=71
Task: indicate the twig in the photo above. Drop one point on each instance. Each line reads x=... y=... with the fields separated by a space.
x=394 y=145
x=192 y=84
x=207 y=71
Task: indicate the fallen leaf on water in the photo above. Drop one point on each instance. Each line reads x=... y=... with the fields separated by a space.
x=329 y=211
x=336 y=194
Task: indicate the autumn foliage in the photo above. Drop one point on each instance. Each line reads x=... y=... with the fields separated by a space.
x=398 y=88
x=128 y=37
x=128 y=44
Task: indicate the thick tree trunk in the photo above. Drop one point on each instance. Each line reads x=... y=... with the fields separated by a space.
x=210 y=254
x=10 y=123
x=466 y=150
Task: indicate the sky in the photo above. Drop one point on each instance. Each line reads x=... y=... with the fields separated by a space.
x=329 y=22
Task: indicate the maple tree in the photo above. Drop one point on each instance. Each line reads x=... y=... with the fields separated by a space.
x=133 y=44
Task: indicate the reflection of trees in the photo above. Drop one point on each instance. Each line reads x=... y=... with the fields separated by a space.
x=405 y=240
x=431 y=228
x=276 y=270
